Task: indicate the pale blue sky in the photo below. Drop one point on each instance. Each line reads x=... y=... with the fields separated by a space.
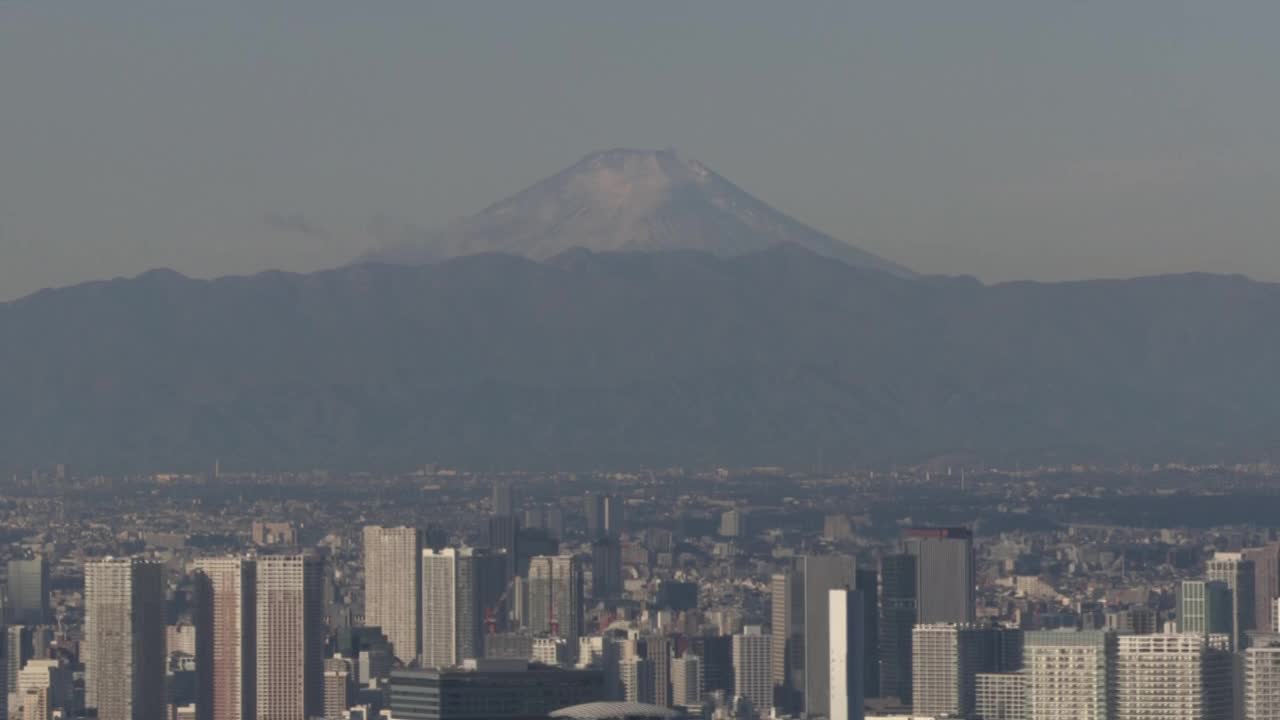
x=1007 y=140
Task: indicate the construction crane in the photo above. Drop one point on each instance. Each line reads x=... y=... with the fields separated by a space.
x=491 y=612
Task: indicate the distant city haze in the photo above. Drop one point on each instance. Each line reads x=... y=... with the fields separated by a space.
x=1005 y=140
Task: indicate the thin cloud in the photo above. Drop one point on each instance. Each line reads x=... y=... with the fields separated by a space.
x=295 y=223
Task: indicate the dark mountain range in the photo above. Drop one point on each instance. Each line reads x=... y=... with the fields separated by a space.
x=626 y=200
x=590 y=359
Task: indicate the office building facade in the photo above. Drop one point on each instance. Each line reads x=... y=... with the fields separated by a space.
x=1172 y=676
x=752 y=669
x=822 y=574
x=946 y=659
x=226 y=636
x=1069 y=674
x=897 y=619
x=945 y=578
x=1000 y=696
x=393 y=586
x=1237 y=572
x=124 y=652
x=290 y=637
x=27 y=591
x=847 y=674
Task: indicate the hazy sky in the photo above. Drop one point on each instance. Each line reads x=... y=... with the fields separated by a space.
x=1013 y=139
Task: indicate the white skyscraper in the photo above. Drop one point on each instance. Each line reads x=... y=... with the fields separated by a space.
x=1172 y=676
x=752 y=669
x=290 y=637
x=226 y=655
x=124 y=638
x=845 y=620
x=393 y=586
x=439 y=608
x=458 y=585
x=1068 y=674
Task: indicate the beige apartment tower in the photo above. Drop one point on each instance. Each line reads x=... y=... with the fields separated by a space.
x=1172 y=676
x=226 y=653
x=1069 y=674
x=124 y=639
x=393 y=586
x=290 y=637
x=752 y=669
x=1262 y=683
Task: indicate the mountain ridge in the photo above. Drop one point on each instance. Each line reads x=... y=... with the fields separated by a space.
x=621 y=359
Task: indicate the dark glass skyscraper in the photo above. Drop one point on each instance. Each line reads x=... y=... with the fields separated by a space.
x=897 y=617
x=945 y=576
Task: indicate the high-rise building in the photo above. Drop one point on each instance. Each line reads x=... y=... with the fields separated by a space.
x=1172 y=676
x=946 y=658
x=1000 y=696
x=867 y=582
x=1069 y=674
x=504 y=498
x=614 y=515
x=606 y=568
x=716 y=652
x=290 y=637
x=1238 y=573
x=822 y=574
x=945 y=578
x=1204 y=607
x=897 y=618
x=603 y=513
x=752 y=669
x=1266 y=583
x=18 y=649
x=459 y=588
x=686 y=681
x=337 y=688
x=393 y=586
x=43 y=685
x=124 y=638
x=530 y=543
x=847 y=623
x=226 y=636
x=548 y=519
x=555 y=597
x=504 y=537
x=1262 y=682
x=661 y=651
x=636 y=675
x=34 y=703
x=27 y=591
x=786 y=591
